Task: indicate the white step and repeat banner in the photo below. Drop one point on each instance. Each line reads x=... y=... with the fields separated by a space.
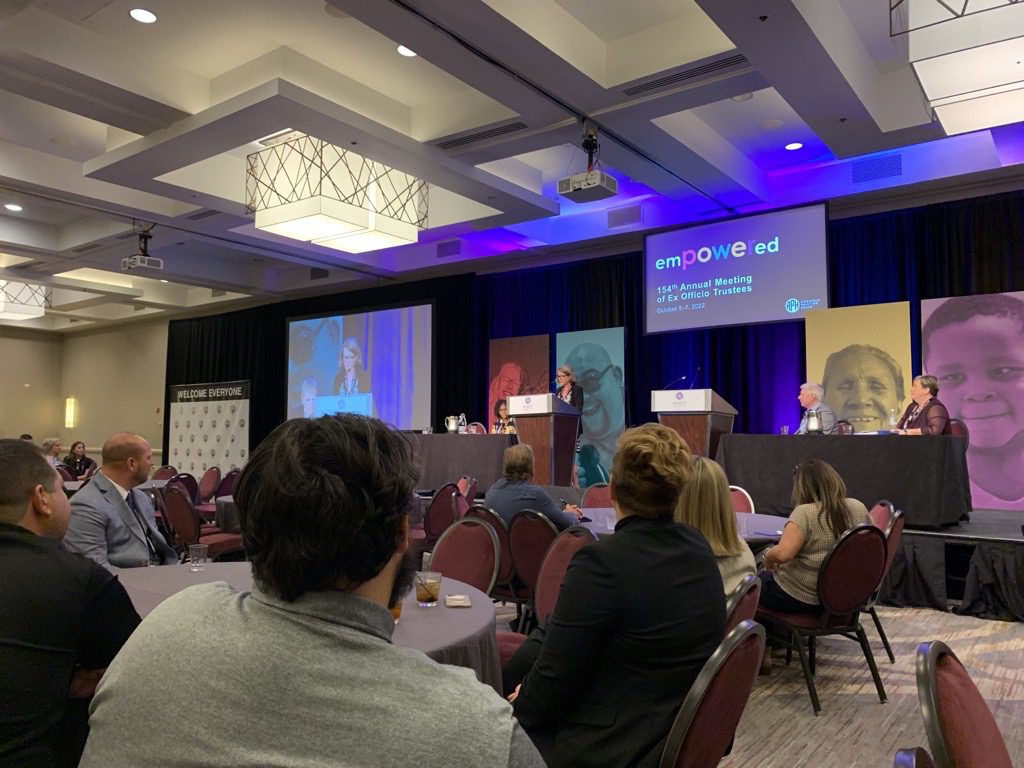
x=209 y=426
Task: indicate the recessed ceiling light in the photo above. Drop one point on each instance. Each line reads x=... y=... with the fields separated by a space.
x=142 y=16
x=13 y=207
x=165 y=281
x=406 y=51
x=794 y=145
x=742 y=97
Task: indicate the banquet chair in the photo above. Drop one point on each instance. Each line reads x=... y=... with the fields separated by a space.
x=470 y=492
x=476 y=428
x=65 y=473
x=209 y=483
x=468 y=551
x=957 y=428
x=188 y=482
x=506 y=570
x=893 y=536
x=849 y=576
x=549 y=583
x=440 y=513
x=741 y=500
x=961 y=730
x=843 y=427
x=598 y=495
x=913 y=758
x=529 y=536
x=166 y=472
x=741 y=604
x=227 y=484
x=882 y=514
x=184 y=523
x=706 y=722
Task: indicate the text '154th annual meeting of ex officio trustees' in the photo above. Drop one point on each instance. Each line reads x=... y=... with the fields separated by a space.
x=680 y=297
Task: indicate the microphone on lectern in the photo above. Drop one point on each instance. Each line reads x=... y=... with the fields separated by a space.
x=695 y=377
x=676 y=381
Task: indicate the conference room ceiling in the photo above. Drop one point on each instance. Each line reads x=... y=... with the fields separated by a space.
x=109 y=127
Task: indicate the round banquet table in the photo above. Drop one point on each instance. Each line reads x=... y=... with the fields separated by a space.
x=757 y=530
x=463 y=637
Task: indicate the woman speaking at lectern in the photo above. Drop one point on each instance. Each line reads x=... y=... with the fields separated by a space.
x=568 y=391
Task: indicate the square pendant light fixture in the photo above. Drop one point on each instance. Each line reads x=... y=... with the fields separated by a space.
x=306 y=189
x=968 y=56
x=22 y=301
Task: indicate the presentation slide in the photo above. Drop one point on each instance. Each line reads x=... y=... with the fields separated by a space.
x=754 y=269
x=374 y=363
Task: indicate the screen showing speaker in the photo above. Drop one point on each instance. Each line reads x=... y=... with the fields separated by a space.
x=375 y=363
x=753 y=269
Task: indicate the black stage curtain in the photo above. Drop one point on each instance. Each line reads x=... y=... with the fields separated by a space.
x=946 y=249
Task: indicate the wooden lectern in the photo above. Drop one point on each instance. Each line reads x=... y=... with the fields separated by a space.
x=549 y=426
x=700 y=416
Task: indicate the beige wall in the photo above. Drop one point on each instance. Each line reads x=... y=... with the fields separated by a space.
x=117 y=376
x=30 y=384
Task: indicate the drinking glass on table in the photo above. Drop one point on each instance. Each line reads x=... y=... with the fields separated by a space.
x=197 y=556
x=428 y=588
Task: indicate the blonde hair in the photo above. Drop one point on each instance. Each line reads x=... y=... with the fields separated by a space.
x=650 y=469
x=706 y=505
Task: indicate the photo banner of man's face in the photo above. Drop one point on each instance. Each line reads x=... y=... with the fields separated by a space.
x=517 y=366
x=598 y=361
x=861 y=357
x=974 y=346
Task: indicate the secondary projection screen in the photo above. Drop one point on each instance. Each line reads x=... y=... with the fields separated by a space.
x=754 y=269
x=375 y=363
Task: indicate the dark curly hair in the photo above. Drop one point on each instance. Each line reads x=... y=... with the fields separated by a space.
x=322 y=501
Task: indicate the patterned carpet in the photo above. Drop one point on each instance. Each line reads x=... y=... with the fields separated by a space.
x=854 y=729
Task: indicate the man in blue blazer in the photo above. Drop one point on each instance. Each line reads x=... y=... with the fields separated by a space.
x=110 y=522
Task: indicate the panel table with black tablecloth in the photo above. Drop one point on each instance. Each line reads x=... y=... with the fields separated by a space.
x=925 y=476
x=445 y=458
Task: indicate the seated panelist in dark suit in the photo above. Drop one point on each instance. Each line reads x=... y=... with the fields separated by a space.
x=110 y=522
x=638 y=615
x=925 y=415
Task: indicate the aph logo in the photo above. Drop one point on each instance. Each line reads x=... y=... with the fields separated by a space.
x=679 y=395
x=792 y=306
x=527 y=401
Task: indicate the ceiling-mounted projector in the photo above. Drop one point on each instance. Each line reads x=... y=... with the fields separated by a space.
x=142 y=258
x=588 y=186
x=592 y=184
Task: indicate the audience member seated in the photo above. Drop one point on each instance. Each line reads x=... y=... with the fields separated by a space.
x=110 y=522
x=705 y=504
x=925 y=415
x=301 y=671
x=822 y=514
x=516 y=491
x=638 y=615
x=63 y=617
x=80 y=465
x=52 y=449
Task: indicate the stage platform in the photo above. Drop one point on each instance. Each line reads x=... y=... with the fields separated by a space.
x=974 y=568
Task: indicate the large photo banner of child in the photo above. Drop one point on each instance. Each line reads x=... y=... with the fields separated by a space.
x=861 y=358
x=209 y=426
x=371 y=363
x=598 y=362
x=974 y=346
x=516 y=366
